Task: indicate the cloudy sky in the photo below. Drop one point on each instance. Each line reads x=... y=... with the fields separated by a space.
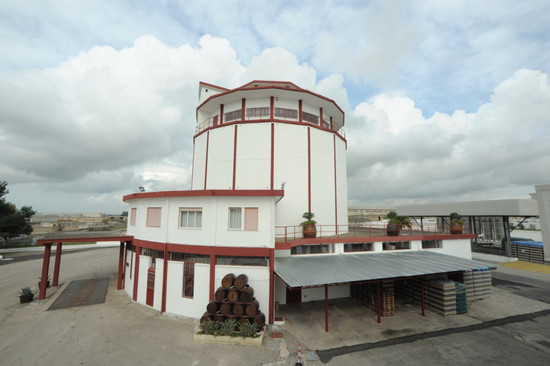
x=444 y=100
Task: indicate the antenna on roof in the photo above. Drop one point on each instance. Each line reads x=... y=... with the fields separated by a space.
x=141 y=189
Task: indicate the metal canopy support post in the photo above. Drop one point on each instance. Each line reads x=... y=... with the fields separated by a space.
x=136 y=272
x=326 y=308
x=506 y=223
x=57 y=265
x=422 y=295
x=378 y=299
x=45 y=270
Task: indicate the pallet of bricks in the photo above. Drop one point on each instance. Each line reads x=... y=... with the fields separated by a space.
x=441 y=297
x=387 y=298
x=235 y=299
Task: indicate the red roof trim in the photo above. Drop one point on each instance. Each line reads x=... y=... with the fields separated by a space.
x=245 y=88
x=212 y=85
x=208 y=193
x=368 y=239
x=84 y=239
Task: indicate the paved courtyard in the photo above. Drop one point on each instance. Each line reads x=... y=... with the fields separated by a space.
x=509 y=326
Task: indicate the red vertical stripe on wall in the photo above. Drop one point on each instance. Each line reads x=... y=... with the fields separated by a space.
x=271 y=107
x=335 y=187
x=309 y=169
x=272 y=153
x=206 y=158
x=193 y=164
x=243 y=108
x=300 y=110
x=221 y=114
x=212 y=275
x=234 y=157
x=271 y=284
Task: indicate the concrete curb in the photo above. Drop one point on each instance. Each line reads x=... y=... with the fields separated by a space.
x=238 y=341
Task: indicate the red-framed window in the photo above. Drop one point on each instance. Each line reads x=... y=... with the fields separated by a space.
x=286 y=113
x=313 y=249
x=358 y=247
x=232 y=116
x=153 y=216
x=242 y=261
x=257 y=113
x=311 y=118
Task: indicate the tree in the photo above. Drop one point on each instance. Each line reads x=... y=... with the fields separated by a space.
x=13 y=222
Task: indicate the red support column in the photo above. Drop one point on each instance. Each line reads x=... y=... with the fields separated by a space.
x=120 y=266
x=271 y=107
x=309 y=169
x=272 y=154
x=45 y=270
x=300 y=110
x=271 y=284
x=378 y=300
x=243 y=109
x=212 y=275
x=221 y=114
x=136 y=272
x=422 y=294
x=164 y=279
x=320 y=117
x=57 y=265
x=326 y=308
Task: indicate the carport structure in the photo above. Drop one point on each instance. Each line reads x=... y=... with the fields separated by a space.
x=349 y=269
x=89 y=237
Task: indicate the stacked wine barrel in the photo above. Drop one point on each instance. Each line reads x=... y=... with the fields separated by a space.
x=235 y=299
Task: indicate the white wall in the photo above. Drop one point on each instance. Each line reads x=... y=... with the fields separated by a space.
x=199 y=161
x=253 y=170
x=144 y=264
x=459 y=248
x=318 y=293
x=129 y=282
x=175 y=302
x=542 y=195
x=220 y=158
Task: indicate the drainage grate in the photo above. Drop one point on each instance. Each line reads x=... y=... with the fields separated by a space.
x=82 y=292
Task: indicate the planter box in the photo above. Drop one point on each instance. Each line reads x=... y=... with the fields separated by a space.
x=238 y=341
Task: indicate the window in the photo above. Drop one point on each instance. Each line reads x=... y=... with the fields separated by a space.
x=286 y=113
x=428 y=244
x=358 y=247
x=311 y=118
x=255 y=113
x=235 y=217
x=190 y=257
x=250 y=218
x=153 y=216
x=313 y=249
x=191 y=218
x=188 y=279
x=133 y=213
x=231 y=116
x=242 y=261
x=396 y=245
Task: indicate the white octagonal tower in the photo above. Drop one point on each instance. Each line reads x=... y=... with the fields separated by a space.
x=273 y=135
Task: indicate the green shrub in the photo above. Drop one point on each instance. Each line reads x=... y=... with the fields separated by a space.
x=210 y=326
x=228 y=327
x=248 y=329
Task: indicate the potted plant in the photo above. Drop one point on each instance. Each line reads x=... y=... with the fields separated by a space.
x=396 y=223
x=456 y=223
x=47 y=281
x=26 y=294
x=308 y=227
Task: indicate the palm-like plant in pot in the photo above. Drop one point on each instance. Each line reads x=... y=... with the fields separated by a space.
x=396 y=223
x=309 y=230
x=456 y=223
x=26 y=294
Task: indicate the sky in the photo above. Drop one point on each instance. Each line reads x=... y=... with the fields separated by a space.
x=444 y=100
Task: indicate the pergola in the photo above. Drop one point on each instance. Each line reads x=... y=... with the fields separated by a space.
x=89 y=237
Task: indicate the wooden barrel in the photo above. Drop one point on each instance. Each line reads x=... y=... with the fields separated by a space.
x=227 y=280
x=240 y=281
x=247 y=293
x=238 y=309
x=220 y=317
x=260 y=320
x=206 y=317
x=225 y=308
x=212 y=307
x=233 y=295
x=220 y=294
x=252 y=308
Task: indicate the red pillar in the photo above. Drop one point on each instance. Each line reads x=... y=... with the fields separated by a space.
x=45 y=270
x=271 y=285
x=326 y=308
x=57 y=265
x=136 y=273
x=125 y=265
x=164 y=279
x=120 y=266
x=212 y=275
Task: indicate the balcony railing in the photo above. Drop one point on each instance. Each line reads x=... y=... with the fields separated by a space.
x=360 y=230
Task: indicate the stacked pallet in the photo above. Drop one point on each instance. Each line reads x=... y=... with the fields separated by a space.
x=468 y=279
x=482 y=284
x=528 y=251
x=387 y=299
x=442 y=297
x=235 y=299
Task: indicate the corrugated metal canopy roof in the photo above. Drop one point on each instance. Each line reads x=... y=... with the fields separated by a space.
x=320 y=270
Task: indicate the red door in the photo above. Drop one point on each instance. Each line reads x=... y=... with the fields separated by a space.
x=150 y=286
x=293 y=296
